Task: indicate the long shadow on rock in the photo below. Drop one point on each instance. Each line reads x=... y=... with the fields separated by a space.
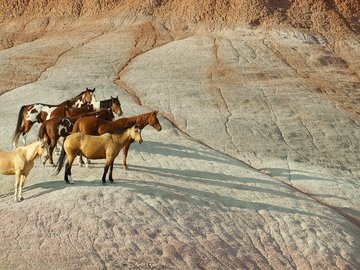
x=181 y=151
x=221 y=180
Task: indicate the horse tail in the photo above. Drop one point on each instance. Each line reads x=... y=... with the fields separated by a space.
x=60 y=162
x=20 y=119
x=42 y=129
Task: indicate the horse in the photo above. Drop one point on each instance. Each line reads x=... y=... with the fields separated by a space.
x=112 y=103
x=65 y=111
x=96 y=126
x=19 y=162
x=39 y=112
x=51 y=130
x=106 y=146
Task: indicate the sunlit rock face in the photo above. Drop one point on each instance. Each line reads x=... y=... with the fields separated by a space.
x=257 y=162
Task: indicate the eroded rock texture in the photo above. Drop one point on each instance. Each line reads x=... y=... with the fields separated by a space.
x=257 y=165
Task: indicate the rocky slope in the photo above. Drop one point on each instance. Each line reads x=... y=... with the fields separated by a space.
x=257 y=165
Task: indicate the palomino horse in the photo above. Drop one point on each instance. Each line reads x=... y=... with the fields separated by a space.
x=39 y=112
x=95 y=126
x=19 y=162
x=106 y=146
x=51 y=130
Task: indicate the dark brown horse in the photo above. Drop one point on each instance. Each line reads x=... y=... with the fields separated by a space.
x=39 y=112
x=94 y=126
x=51 y=130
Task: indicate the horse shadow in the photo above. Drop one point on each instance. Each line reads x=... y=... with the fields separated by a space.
x=169 y=149
x=206 y=199
x=194 y=196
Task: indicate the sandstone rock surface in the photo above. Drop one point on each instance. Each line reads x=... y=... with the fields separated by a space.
x=257 y=165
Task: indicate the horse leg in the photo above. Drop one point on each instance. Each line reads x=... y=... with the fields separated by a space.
x=24 y=138
x=110 y=173
x=16 y=139
x=68 y=165
x=58 y=146
x=87 y=162
x=106 y=168
x=51 y=150
x=27 y=128
x=17 y=184
x=81 y=161
x=125 y=151
x=22 y=183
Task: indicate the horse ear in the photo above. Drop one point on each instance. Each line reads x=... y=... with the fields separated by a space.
x=155 y=112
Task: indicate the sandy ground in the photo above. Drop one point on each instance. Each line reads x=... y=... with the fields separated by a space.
x=255 y=168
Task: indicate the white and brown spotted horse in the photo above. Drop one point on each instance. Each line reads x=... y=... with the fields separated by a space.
x=56 y=127
x=39 y=112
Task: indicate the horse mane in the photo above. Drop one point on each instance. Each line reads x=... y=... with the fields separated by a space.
x=139 y=120
x=105 y=103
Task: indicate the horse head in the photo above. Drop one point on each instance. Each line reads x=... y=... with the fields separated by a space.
x=85 y=97
x=135 y=134
x=88 y=96
x=116 y=106
x=154 y=121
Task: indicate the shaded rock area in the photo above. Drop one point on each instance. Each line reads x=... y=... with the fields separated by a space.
x=257 y=165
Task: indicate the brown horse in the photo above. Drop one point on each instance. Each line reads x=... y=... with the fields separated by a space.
x=51 y=130
x=39 y=112
x=106 y=146
x=20 y=161
x=65 y=111
x=95 y=126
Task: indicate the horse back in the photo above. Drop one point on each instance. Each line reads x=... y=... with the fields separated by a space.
x=88 y=125
x=11 y=161
x=113 y=126
x=94 y=147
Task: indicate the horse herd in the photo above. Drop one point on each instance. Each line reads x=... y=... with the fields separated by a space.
x=88 y=128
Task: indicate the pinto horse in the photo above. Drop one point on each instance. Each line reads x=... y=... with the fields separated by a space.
x=106 y=146
x=39 y=112
x=52 y=129
x=19 y=162
x=96 y=126
x=112 y=103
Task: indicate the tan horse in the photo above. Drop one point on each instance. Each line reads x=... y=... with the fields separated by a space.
x=19 y=162
x=106 y=146
x=96 y=126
